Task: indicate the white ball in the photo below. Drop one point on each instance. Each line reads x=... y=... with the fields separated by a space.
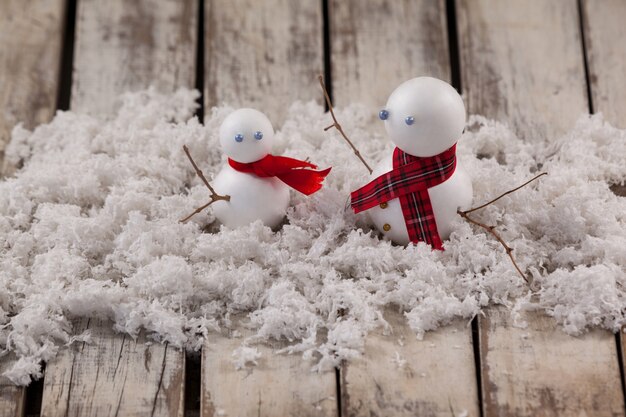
x=246 y=135
x=251 y=198
x=437 y=112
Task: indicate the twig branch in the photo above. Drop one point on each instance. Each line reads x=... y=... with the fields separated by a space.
x=214 y=196
x=507 y=193
x=491 y=229
x=337 y=126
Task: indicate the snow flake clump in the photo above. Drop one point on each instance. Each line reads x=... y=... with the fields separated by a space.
x=89 y=229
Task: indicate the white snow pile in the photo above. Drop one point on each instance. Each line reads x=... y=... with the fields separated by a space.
x=89 y=228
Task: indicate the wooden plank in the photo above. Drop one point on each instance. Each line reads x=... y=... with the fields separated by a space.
x=11 y=396
x=263 y=54
x=31 y=35
x=604 y=28
x=279 y=385
x=376 y=45
x=522 y=63
x=542 y=371
x=124 y=46
x=139 y=380
x=130 y=45
x=401 y=376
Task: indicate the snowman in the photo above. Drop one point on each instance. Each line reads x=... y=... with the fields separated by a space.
x=254 y=184
x=414 y=192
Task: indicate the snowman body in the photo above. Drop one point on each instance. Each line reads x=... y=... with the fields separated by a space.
x=251 y=198
x=423 y=117
x=446 y=197
x=246 y=136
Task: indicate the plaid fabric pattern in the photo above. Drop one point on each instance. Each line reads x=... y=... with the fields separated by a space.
x=409 y=180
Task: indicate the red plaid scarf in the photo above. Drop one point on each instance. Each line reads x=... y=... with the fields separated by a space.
x=409 y=180
x=289 y=170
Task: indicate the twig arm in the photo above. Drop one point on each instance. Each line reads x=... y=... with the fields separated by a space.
x=504 y=194
x=337 y=126
x=490 y=229
x=214 y=196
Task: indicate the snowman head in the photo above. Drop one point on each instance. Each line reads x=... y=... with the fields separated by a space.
x=424 y=116
x=246 y=135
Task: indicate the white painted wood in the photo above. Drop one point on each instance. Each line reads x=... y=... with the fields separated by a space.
x=31 y=35
x=115 y=376
x=263 y=54
x=280 y=385
x=541 y=371
x=377 y=44
x=522 y=63
x=11 y=396
x=401 y=376
x=131 y=45
x=605 y=30
x=123 y=46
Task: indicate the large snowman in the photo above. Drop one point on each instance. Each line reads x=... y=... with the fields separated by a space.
x=416 y=190
x=257 y=182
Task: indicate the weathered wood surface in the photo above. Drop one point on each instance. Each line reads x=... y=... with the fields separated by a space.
x=279 y=385
x=130 y=45
x=604 y=30
x=400 y=376
x=116 y=376
x=124 y=46
x=522 y=63
x=262 y=54
x=31 y=35
x=375 y=46
x=11 y=396
x=541 y=371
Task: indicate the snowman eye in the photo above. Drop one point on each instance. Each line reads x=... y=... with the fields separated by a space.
x=409 y=120
x=383 y=114
x=239 y=137
x=258 y=135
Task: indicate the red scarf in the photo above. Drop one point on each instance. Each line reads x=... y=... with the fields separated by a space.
x=289 y=170
x=409 y=180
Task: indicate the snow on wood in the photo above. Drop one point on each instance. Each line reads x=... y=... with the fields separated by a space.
x=522 y=63
x=246 y=380
x=376 y=45
x=124 y=46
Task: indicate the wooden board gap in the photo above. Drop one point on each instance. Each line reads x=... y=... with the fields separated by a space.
x=477 y=363
x=582 y=25
x=67 y=57
x=34 y=396
x=328 y=79
x=199 y=83
x=453 y=45
x=193 y=377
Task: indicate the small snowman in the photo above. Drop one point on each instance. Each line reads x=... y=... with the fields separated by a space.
x=415 y=192
x=254 y=185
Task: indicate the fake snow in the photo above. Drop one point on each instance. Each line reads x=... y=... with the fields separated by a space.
x=89 y=228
